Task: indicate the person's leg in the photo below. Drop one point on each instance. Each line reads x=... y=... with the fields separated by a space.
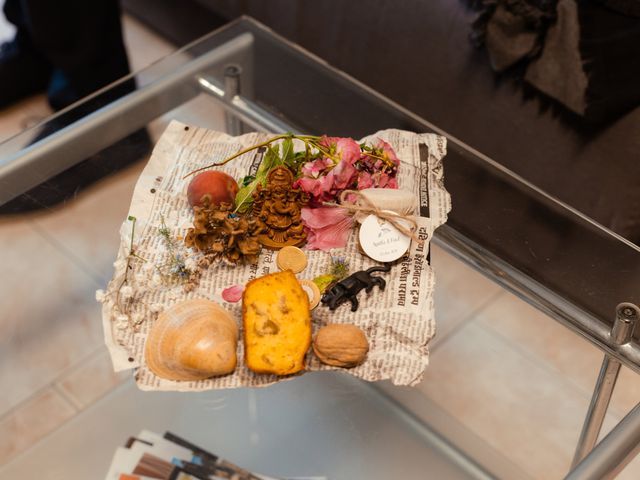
x=82 y=40
x=23 y=70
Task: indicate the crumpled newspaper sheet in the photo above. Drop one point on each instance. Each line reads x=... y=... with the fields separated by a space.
x=399 y=321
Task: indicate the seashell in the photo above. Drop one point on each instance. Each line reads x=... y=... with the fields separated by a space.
x=403 y=202
x=192 y=340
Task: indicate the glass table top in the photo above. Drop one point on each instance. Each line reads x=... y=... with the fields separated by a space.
x=554 y=257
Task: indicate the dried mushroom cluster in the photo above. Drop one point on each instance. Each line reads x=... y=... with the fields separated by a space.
x=221 y=234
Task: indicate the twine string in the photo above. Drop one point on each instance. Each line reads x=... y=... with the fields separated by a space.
x=395 y=219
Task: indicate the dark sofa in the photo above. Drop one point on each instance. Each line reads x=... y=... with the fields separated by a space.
x=418 y=53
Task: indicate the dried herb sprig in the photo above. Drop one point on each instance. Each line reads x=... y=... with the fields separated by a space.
x=339 y=268
x=176 y=267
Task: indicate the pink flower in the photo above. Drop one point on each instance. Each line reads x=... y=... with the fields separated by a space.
x=364 y=180
x=346 y=148
x=328 y=227
x=314 y=168
x=350 y=198
x=325 y=178
x=320 y=189
x=384 y=180
x=325 y=188
x=376 y=180
x=233 y=294
x=387 y=151
x=342 y=175
x=312 y=186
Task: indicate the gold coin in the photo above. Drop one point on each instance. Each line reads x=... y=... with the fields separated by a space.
x=291 y=258
x=312 y=291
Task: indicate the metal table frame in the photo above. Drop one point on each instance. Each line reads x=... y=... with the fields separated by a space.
x=65 y=148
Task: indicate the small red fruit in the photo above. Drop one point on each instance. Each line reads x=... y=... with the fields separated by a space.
x=211 y=188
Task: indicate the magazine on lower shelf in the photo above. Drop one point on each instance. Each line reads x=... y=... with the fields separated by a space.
x=149 y=455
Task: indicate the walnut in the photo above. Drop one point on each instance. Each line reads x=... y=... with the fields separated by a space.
x=341 y=345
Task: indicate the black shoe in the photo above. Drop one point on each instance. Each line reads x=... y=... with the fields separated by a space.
x=22 y=73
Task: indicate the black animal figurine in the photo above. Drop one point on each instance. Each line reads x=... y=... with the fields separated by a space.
x=348 y=288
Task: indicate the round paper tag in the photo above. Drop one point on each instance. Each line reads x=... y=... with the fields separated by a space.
x=382 y=241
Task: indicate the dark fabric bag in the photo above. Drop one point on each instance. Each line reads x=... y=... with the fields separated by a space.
x=584 y=54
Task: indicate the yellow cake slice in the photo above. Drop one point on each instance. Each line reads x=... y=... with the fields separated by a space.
x=277 y=324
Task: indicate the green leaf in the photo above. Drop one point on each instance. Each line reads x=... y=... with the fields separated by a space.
x=244 y=197
x=287 y=151
x=295 y=162
x=271 y=159
x=246 y=180
x=324 y=282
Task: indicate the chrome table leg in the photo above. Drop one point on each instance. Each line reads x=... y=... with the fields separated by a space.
x=613 y=453
x=626 y=316
x=231 y=89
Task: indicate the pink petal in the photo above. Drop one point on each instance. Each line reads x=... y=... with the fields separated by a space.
x=388 y=151
x=328 y=227
x=314 y=168
x=348 y=149
x=332 y=236
x=328 y=141
x=312 y=186
x=233 y=294
x=351 y=198
x=343 y=175
x=364 y=180
x=316 y=218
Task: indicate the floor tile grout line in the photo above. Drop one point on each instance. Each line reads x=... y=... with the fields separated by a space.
x=56 y=387
x=545 y=367
x=33 y=395
x=529 y=355
x=549 y=368
x=79 y=364
x=465 y=319
x=52 y=431
x=87 y=270
x=54 y=380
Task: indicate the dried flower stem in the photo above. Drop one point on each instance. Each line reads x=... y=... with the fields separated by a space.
x=128 y=267
x=241 y=152
x=308 y=140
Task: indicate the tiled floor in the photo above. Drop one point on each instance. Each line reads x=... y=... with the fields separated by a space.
x=503 y=372
x=52 y=354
